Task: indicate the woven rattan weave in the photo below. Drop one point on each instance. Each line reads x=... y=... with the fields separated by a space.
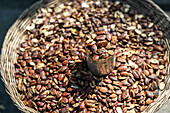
x=15 y=34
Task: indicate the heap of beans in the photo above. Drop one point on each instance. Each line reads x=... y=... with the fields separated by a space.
x=51 y=70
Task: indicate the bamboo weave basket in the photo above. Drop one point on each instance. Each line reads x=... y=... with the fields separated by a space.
x=15 y=34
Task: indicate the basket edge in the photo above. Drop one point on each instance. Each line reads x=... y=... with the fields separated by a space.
x=9 y=31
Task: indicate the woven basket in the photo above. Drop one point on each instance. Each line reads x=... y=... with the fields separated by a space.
x=15 y=34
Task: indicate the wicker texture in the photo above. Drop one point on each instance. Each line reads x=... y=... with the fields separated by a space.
x=15 y=34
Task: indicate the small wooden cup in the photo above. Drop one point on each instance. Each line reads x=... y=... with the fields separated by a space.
x=101 y=67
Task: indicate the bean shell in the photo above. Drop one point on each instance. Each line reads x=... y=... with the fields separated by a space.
x=149 y=101
x=113 y=96
x=161 y=85
x=117 y=64
x=154 y=61
x=104 y=89
x=119 y=110
x=111 y=52
x=122 y=59
x=95 y=57
x=92 y=109
x=110 y=86
x=131 y=28
x=114 y=39
x=142 y=108
x=82 y=105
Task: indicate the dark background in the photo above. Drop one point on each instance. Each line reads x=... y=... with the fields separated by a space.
x=9 y=12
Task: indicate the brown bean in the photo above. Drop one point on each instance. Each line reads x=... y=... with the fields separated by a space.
x=149 y=94
x=92 y=109
x=158 y=48
x=82 y=105
x=124 y=94
x=102 y=43
x=113 y=78
x=61 y=77
x=110 y=86
x=122 y=59
x=122 y=36
x=100 y=37
x=95 y=57
x=101 y=33
x=59 y=64
x=156 y=67
x=108 y=81
x=63 y=68
x=62 y=89
x=124 y=73
x=149 y=101
x=94 y=48
x=142 y=108
x=163 y=72
x=153 y=76
x=90 y=102
x=74 y=52
x=109 y=36
x=135 y=74
x=39 y=87
x=114 y=39
x=122 y=68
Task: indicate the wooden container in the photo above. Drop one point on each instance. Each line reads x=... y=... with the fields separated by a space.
x=101 y=67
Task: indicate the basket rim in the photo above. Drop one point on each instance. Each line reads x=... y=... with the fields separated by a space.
x=41 y=4
x=9 y=31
